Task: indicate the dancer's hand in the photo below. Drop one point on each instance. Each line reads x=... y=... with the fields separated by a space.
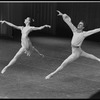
x=48 y=26
x=64 y=15
x=60 y=14
x=2 y=21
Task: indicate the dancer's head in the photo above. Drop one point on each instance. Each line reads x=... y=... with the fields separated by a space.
x=80 y=26
x=27 y=20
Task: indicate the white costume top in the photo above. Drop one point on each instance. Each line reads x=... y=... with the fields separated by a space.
x=78 y=38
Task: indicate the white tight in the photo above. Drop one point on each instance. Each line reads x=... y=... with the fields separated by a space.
x=18 y=54
x=76 y=53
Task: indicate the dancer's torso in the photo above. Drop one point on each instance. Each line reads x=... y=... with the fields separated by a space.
x=76 y=42
x=25 y=31
x=77 y=39
x=25 y=41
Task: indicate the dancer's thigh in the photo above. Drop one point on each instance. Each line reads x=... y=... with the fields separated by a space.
x=72 y=58
x=85 y=54
x=21 y=51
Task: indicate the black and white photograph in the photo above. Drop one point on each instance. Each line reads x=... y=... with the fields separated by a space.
x=50 y=49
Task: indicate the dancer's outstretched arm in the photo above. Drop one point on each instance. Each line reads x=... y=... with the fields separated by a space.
x=10 y=24
x=88 y=33
x=67 y=20
x=41 y=27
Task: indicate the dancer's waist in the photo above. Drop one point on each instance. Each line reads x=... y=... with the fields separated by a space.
x=75 y=46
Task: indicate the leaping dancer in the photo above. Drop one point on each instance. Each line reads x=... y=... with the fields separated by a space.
x=78 y=36
x=26 y=45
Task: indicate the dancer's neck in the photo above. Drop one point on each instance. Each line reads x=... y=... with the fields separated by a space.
x=79 y=31
x=27 y=25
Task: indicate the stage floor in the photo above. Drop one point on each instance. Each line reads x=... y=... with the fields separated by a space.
x=26 y=78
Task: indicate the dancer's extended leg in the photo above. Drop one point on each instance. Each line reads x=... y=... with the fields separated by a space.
x=91 y=56
x=38 y=51
x=18 y=54
x=70 y=59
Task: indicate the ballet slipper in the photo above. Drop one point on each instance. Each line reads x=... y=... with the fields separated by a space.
x=42 y=55
x=49 y=76
x=3 y=70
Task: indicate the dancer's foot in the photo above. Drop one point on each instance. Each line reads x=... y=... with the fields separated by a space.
x=3 y=70
x=49 y=76
x=42 y=55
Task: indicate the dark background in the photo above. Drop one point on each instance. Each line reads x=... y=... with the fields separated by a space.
x=45 y=13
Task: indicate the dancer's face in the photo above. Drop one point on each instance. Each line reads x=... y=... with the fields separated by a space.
x=27 y=20
x=80 y=26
